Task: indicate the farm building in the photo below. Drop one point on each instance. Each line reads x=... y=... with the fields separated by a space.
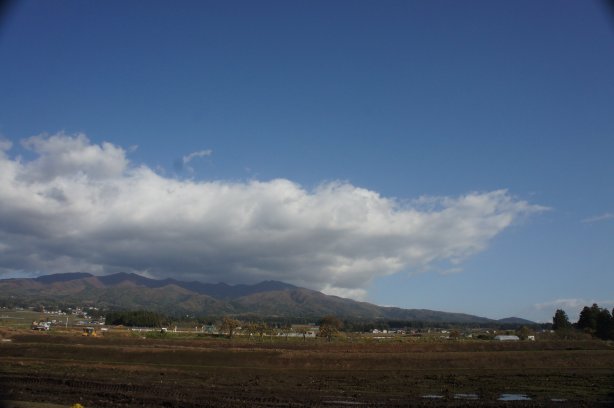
x=502 y=337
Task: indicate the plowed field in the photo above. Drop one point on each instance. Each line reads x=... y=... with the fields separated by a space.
x=136 y=372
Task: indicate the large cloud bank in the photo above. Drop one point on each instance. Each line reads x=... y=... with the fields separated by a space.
x=78 y=206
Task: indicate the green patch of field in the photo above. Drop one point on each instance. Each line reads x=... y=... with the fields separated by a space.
x=22 y=319
x=19 y=319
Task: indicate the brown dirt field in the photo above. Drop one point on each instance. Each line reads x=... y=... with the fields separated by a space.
x=204 y=372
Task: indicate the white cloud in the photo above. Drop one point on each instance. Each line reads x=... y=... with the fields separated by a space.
x=201 y=153
x=598 y=218
x=79 y=206
x=5 y=145
x=562 y=304
x=183 y=163
x=61 y=155
x=357 y=294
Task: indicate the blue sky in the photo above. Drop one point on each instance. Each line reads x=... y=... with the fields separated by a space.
x=443 y=155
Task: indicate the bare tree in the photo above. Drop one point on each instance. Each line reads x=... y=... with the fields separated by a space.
x=251 y=329
x=329 y=327
x=229 y=326
x=303 y=331
x=261 y=329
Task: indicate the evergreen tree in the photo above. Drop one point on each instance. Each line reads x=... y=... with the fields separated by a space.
x=588 y=319
x=605 y=325
x=560 y=321
x=134 y=318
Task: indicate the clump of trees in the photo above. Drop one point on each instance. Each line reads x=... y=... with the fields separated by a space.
x=594 y=320
x=260 y=328
x=229 y=326
x=139 y=318
x=597 y=321
x=329 y=327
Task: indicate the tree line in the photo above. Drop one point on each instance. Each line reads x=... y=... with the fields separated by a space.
x=139 y=318
x=594 y=320
x=329 y=327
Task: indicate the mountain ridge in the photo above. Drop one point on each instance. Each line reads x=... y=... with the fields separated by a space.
x=267 y=299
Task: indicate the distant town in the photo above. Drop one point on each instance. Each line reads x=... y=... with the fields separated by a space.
x=95 y=322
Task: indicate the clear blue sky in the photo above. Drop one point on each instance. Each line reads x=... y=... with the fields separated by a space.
x=323 y=101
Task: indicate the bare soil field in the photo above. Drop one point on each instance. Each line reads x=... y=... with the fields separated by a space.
x=131 y=371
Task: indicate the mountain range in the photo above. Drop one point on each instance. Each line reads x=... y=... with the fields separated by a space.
x=129 y=291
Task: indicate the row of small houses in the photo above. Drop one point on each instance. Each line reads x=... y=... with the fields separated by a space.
x=310 y=332
x=500 y=337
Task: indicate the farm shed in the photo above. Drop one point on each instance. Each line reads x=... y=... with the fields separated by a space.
x=502 y=337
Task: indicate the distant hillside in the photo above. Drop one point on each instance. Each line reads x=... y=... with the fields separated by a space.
x=515 y=321
x=62 y=277
x=265 y=299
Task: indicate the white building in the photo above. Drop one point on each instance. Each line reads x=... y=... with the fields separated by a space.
x=502 y=337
